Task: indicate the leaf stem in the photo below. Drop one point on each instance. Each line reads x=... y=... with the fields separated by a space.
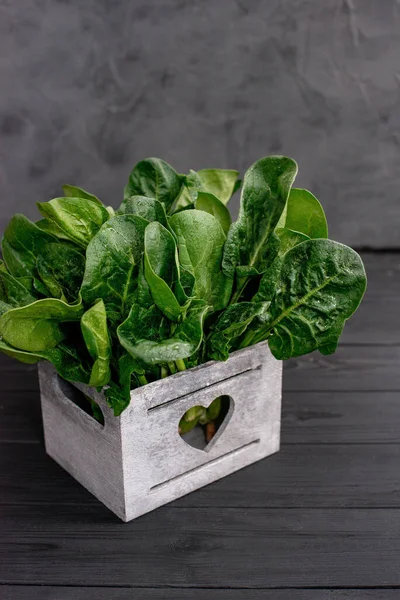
x=142 y=379
x=172 y=367
x=247 y=339
x=180 y=363
x=242 y=282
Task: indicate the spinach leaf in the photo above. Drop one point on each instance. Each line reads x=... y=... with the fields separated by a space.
x=37 y=327
x=288 y=239
x=321 y=284
x=61 y=269
x=191 y=186
x=79 y=219
x=154 y=178
x=304 y=213
x=21 y=244
x=118 y=394
x=200 y=243
x=269 y=283
x=67 y=362
x=113 y=258
x=72 y=191
x=52 y=229
x=231 y=324
x=12 y=292
x=97 y=340
x=149 y=343
x=147 y=208
x=28 y=283
x=170 y=282
x=265 y=190
x=38 y=286
x=161 y=269
x=222 y=183
x=210 y=204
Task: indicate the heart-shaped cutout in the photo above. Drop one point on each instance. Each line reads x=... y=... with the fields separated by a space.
x=200 y=426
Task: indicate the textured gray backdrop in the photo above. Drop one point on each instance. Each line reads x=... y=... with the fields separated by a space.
x=90 y=87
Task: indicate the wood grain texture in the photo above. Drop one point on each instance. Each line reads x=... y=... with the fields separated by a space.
x=377 y=320
x=351 y=368
x=307 y=476
x=341 y=418
x=322 y=515
x=202 y=547
x=308 y=418
x=97 y=593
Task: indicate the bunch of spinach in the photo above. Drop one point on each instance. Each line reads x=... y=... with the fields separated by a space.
x=116 y=300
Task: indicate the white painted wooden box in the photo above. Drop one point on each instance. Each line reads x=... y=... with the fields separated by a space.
x=138 y=461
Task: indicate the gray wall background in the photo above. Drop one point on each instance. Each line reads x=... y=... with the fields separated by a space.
x=90 y=87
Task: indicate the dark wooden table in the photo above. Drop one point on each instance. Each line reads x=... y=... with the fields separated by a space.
x=320 y=520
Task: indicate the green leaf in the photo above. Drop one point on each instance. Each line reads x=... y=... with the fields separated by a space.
x=39 y=287
x=238 y=185
x=95 y=333
x=113 y=259
x=118 y=394
x=161 y=268
x=64 y=357
x=189 y=191
x=12 y=292
x=21 y=244
x=200 y=243
x=269 y=282
x=79 y=219
x=61 y=269
x=72 y=191
x=28 y=283
x=147 y=208
x=210 y=204
x=288 y=239
x=321 y=284
x=52 y=229
x=265 y=190
x=231 y=324
x=222 y=183
x=37 y=327
x=154 y=178
x=304 y=213
x=141 y=337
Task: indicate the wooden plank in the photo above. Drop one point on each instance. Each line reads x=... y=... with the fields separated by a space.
x=297 y=476
x=17 y=376
x=97 y=593
x=377 y=320
x=307 y=418
x=316 y=402
x=352 y=368
x=52 y=528
x=202 y=548
x=341 y=418
x=21 y=417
